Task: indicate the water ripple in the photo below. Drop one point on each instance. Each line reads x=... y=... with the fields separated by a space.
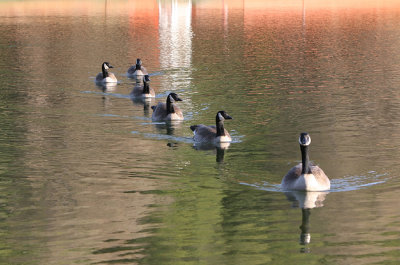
x=347 y=183
x=108 y=94
x=165 y=137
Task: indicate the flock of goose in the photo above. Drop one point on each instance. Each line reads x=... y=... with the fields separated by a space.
x=303 y=177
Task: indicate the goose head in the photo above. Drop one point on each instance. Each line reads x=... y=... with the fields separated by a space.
x=304 y=139
x=173 y=96
x=222 y=115
x=138 y=64
x=106 y=65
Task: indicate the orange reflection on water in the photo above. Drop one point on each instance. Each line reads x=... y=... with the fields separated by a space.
x=91 y=7
x=76 y=7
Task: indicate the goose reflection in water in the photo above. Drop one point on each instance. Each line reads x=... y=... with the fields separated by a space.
x=306 y=200
x=218 y=148
x=107 y=87
x=146 y=102
x=167 y=127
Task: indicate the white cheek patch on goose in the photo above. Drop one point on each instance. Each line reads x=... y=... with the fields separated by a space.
x=308 y=141
x=106 y=67
x=220 y=117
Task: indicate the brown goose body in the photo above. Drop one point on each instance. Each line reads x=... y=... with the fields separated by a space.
x=132 y=72
x=137 y=71
x=137 y=92
x=105 y=76
x=315 y=180
x=143 y=90
x=167 y=111
x=213 y=133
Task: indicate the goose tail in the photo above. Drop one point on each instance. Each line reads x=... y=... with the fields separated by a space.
x=193 y=127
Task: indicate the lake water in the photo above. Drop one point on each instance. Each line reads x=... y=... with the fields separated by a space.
x=87 y=178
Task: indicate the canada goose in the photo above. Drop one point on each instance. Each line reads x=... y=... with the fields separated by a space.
x=105 y=76
x=136 y=71
x=212 y=134
x=167 y=111
x=304 y=176
x=143 y=91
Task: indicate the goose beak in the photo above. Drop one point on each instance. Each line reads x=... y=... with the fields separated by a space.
x=227 y=117
x=178 y=99
x=110 y=66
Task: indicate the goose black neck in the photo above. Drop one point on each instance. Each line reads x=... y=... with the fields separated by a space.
x=305 y=225
x=220 y=155
x=138 y=67
x=146 y=88
x=170 y=106
x=105 y=72
x=305 y=220
x=304 y=160
x=220 y=127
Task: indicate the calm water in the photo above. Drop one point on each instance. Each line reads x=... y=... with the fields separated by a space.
x=86 y=177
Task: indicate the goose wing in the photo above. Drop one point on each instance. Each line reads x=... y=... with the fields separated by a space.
x=99 y=77
x=137 y=90
x=159 y=111
x=291 y=176
x=131 y=69
x=320 y=175
x=203 y=133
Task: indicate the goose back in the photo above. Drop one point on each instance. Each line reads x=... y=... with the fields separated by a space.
x=160 y=112
x=109 y=79
x=137 y=92
x=204 y=133
x=133 y=72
